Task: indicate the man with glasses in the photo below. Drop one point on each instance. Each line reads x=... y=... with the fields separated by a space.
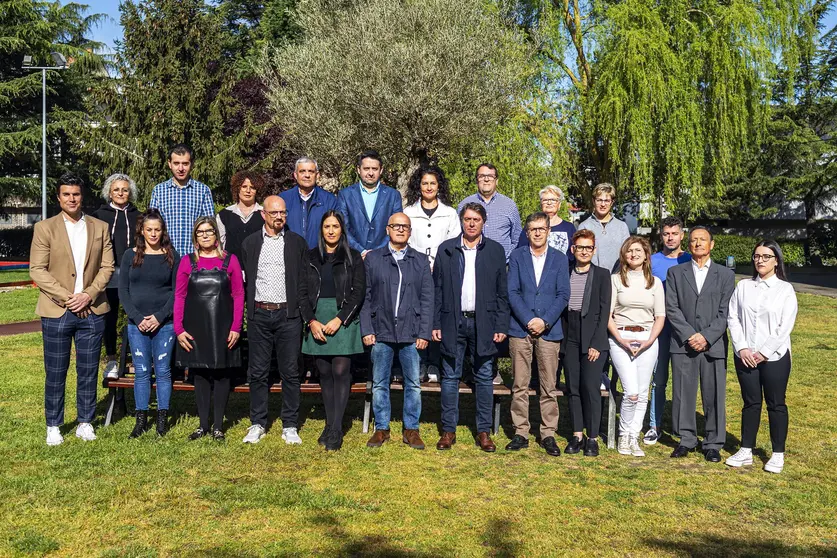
x=396 y=318
x=560 y=231
x=275 y=262
x=471 y=315
x=539 y=289
x=610 y=232
x=502 y=222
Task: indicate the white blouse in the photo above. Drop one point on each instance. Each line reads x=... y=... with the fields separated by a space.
x=429 y=232
x=761 y=316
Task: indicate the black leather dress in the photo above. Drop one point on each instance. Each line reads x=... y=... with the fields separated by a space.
x=208 y=317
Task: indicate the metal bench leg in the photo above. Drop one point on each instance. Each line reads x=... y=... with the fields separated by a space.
x=611 y=421
x=111 y=403
x=496 y=416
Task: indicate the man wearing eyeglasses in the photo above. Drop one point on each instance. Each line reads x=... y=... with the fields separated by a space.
x=397 y=318
x=502 y=222
x=610 y=232
x=275 y=261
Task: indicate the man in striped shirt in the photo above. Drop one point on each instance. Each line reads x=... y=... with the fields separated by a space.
x=182 y=199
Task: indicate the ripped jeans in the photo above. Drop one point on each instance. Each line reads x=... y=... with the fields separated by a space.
x=148 y=348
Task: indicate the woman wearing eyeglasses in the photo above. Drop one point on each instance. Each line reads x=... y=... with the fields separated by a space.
x=560 y=231
x=208 y=312
x=762 y=313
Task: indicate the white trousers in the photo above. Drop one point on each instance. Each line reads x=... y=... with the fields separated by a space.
x=635 y=374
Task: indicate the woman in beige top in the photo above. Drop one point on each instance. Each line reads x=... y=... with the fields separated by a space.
x=637 y=315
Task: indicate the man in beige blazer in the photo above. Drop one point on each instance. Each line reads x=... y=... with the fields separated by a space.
x=71 y=261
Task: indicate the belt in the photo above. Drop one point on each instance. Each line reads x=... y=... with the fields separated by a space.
x=272 y=305
x=469 y=314
x=637 y=329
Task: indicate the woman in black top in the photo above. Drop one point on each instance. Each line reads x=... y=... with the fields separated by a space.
x=121 y=215
x=244 y=217
x=146 y=288
x=336 y=288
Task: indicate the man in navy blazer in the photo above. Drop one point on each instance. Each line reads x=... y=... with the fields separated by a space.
x=472 y=314
x=539 y=289
x=368 y=204
x=307 y=202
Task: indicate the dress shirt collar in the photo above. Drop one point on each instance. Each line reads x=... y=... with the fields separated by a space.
x=700 y=269
x=364 y=190
x=237 y=210
x=464 y=247
x=303 y=197
x=266 y=235
x=67 y=221
x=536 y=256
x=771 y=281
x=489 y=200
x=397 y=254
x=173 y=184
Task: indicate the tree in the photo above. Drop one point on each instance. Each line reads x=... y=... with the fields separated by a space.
x=37 y=28
x=415 y=79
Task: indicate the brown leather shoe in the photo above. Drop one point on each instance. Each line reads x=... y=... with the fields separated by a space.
x=485 y=443
x=378 y=438
x=412 y=439
x=446 y=441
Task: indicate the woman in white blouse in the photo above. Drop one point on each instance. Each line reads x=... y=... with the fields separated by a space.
x=762 y=312
x=637 y=316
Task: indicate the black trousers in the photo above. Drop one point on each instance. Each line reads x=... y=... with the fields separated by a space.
x=111 y=335
x=269 y=331
x=770 y=378
x=584 y=380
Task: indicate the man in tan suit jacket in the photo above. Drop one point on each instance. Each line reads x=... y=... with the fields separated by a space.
x=71 y=261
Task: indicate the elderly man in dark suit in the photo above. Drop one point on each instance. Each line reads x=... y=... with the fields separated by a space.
x=697 y=301
x=71 y=261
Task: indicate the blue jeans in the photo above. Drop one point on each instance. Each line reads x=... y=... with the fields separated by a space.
x=382 y=355
x=149 y=349
x=466 y=339
x=660 y=380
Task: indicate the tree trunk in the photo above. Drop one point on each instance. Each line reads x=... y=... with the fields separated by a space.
x=418 y=158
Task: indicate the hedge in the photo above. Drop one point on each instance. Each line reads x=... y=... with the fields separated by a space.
x=742 y=248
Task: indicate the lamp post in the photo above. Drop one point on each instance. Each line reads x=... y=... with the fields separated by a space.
x=60 y=64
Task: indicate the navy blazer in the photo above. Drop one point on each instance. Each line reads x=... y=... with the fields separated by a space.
x=367 y=232
x=320 y=202
x=545 y=300
x=492 y=304
x=415 y=310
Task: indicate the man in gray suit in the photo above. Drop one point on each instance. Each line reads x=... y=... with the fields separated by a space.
x=697 y=299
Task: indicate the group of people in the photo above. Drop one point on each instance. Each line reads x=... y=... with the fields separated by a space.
x=434 y=287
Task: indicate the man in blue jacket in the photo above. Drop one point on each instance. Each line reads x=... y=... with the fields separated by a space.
x=539 y=289
x=471 y=313
x=368 y=204
x=307 y=202
x=396 y=317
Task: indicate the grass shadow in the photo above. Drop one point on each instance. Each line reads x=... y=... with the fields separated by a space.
x=713 y=545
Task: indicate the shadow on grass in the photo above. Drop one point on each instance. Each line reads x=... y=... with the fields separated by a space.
x=710 y=545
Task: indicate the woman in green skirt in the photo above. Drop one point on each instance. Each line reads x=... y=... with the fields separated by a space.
x=336 y=289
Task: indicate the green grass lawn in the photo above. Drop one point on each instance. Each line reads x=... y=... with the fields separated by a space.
x=14 y=276
x=170 y=497
x=18 y=305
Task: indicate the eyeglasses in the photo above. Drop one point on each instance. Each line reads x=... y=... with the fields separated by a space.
x=399 y=227
x=603 y=200
x=206 y=232
x=275 y=214
x=579 y=248
x=549 y=201
x=540 y=230
x=763 y=257
x=486 y=176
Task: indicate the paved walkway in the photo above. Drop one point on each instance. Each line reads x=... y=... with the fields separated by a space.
x=807 y=288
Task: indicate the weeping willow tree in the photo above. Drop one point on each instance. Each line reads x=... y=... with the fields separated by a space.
x=669 y=97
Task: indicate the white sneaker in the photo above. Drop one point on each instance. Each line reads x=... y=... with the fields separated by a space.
x=776 y=463
x=254 y=434
x=85 y=432
x=54 y=437
x=651 y=437
x=636 y=451
x=742 y=457
x=433 y=378
x=111 y=370
x=624 y=446
x=498 y=380
x=291 y=436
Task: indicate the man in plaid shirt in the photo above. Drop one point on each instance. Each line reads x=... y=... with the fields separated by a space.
x=182 y=199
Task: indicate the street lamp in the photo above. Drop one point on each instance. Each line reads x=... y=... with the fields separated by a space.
x=60 y=64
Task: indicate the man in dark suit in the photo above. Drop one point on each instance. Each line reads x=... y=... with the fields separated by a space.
x=396 y=318
x=275 y=263
x=71 y=261
x=368 y=204
x=697 y=301
x=539 y=288
x=471 y=313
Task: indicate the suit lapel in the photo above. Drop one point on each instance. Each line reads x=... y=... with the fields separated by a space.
x=711 y=277
x=378 y=202
x=90 y=233
x=529 y=268
x=61 y=233
x=588 y=290
x=359 y=202
x=690 y=277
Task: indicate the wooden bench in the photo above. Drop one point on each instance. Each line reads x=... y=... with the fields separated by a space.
x=116 y=389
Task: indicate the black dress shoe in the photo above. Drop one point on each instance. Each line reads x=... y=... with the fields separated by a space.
x=218 y=436
x=334 y=439
x=712 y=455
x=517 y=443
x=681 y=451
x=198 y=433
x=324 y=436
x=550 y=446
x=591 y=448
x=575 y=445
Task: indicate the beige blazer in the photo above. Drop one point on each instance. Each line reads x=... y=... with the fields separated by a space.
x=52 y=269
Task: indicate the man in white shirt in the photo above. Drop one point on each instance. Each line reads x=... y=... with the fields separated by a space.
x=71 y=261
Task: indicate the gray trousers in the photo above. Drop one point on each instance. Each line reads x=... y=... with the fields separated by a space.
x=686 y=371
